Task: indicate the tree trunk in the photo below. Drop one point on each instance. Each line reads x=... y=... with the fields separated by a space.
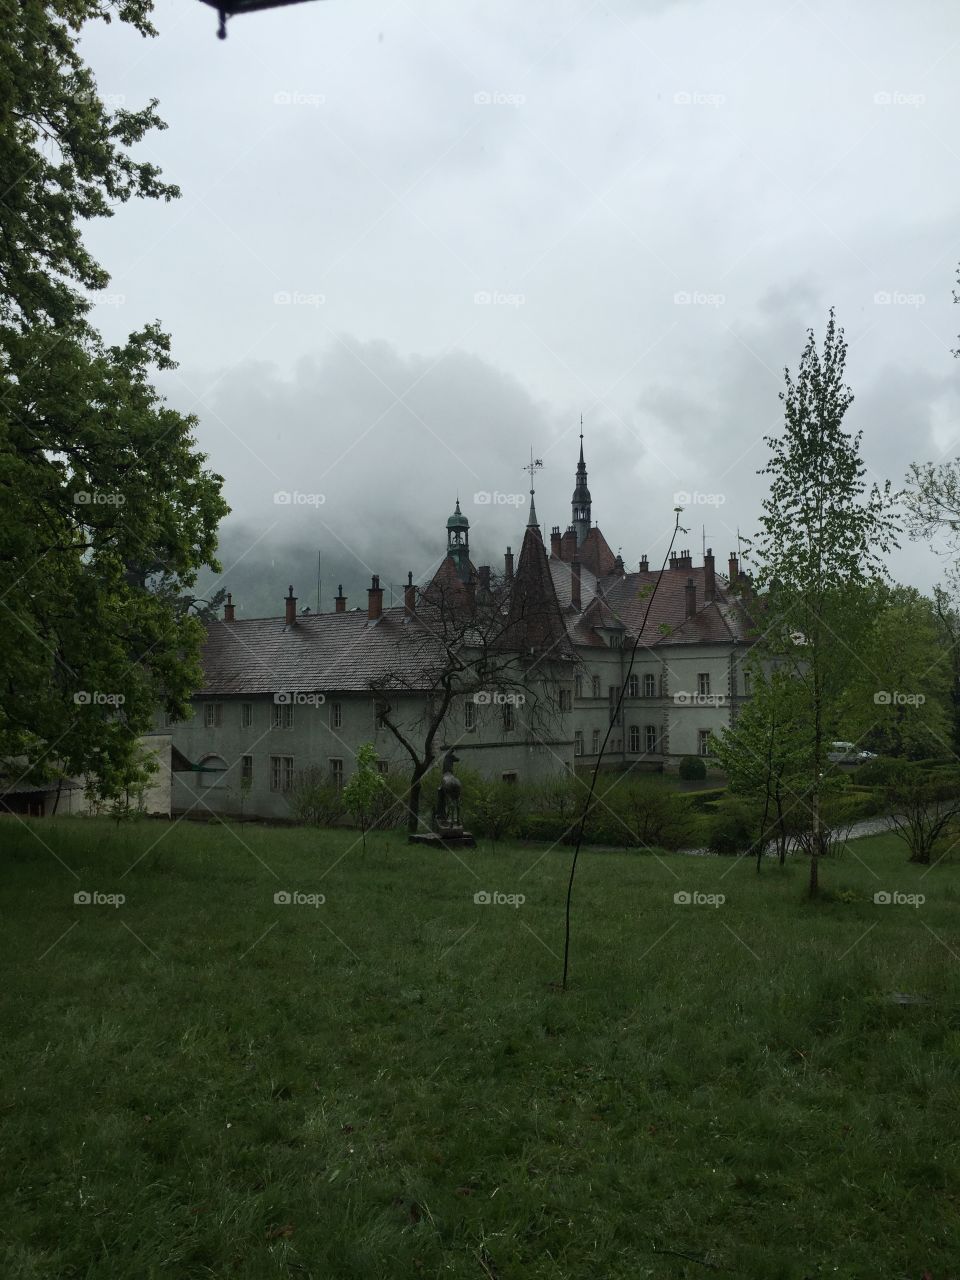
x=413 y=801
x=815 y=847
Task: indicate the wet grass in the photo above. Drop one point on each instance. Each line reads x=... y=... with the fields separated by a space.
x=203 y=1082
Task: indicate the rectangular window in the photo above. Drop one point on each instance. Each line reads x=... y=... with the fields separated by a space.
x=578 y=742
x=746 y=683
x=213 y=715
x=634 y=737
x=336 y=715
x=246 y=715
x=336 y=772
x=703 y=683
x=651 y=737
x=281 y=773
x=469 y=715
x=246 y=768
x=509 y=719
x=380 y=709
x=383 y=766
x=578 y=686
x=633 y=687
x=649 y=685
x=169 y=720
x=566 y=700
x=509 y=777
x=613 y=695
x=703 y=742
x=616 y=640
x=595 y=742
x=596 y=686
x=283 y=715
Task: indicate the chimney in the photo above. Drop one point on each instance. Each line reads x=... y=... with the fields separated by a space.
x=470 y=591
x=575 y=584
x=568 y=545
x=409 y=597
x=508 y=565
x=685 y=560
x=374 y=598
x=673 y=560
x=644 y=565
x=483 y=573
x=555 y=541
x=228 y=609
x=340 y=600
x=290 y=603
x=709 y=577
x=733 y=567
x=691 y=593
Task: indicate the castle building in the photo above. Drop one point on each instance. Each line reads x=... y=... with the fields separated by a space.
x=302 y=691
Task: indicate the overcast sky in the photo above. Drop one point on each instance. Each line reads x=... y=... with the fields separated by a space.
x=418 y=239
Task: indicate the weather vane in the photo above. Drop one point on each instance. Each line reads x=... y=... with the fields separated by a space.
x=533 y=466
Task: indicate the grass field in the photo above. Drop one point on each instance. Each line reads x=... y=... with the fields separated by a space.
x=201 y=1082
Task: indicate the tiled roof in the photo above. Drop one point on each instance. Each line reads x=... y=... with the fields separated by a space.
x=625 y=597
x=596 y=554
x=323 y=652
x=719 y=622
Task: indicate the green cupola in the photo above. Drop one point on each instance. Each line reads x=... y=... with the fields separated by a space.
x=458 y=542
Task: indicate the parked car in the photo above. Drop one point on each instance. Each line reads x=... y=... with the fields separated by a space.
x=843 y=753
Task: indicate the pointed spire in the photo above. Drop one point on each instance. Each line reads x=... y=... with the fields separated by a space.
x=581 y=463
x=534 y=466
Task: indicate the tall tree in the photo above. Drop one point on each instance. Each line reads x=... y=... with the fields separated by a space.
x=821 y=539
x=97 y=474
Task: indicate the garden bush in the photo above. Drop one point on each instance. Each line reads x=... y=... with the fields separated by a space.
x=692 y=768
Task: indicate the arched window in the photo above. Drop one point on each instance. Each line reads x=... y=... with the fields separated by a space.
x=213 y=771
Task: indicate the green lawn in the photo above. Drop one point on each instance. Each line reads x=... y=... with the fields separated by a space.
x=203 y=1083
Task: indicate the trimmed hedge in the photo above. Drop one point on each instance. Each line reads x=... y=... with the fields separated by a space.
x=692 y=769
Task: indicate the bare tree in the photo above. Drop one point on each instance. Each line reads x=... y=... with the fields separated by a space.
x=495 y=645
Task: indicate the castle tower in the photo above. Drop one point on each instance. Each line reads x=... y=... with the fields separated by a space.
x=581 y=498
x=458 y=542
